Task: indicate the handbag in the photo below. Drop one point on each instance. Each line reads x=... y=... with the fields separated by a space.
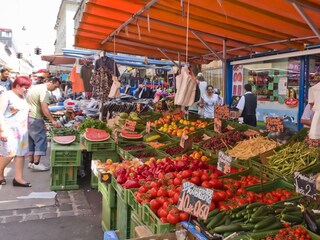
x=114 y=91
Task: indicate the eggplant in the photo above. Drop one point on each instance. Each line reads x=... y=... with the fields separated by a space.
x=311 y=222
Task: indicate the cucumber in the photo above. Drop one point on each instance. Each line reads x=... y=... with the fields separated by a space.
x=262 y=211
x=235 y=227
x=211 y=215
x=228 y=221
x=241 y=213
x=238 y=209
x=296 y=219
x=265 y=222
x=273 y=226
x=256 y=219
x=247 y=226
x=291 y=209
x=256 y=204
x=215 y=220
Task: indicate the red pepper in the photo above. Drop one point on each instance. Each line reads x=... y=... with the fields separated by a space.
x=130 y=183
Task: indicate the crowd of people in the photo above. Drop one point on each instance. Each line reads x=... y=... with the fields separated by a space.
x=23 y=107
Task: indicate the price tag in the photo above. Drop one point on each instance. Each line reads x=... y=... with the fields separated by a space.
x=138 y=107
x=130 y=125
x=115 y=137
x=224 y=162
x=104 y=177
x=148 y=126
x=217 y=125
x=195 y=200
x=274 y=124
x=183 y=139
x=221 y=112
x=305 y=185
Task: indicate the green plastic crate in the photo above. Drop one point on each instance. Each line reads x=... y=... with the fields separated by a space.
x=65 y=155
x=108 y=193
x=277 y=183
x=153 y=222
x=123 y=218
x=108 y=145
x=137 y=208
x=64 y=178
x=135 y=222
x=108 y=215
x=124 y=153
x=122 y=193
x=94 y=181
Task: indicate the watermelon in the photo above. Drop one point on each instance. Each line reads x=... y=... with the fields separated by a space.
x=64 y=139
x=96 y=135
x=130 y=135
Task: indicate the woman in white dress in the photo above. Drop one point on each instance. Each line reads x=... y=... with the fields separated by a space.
x=208 y=101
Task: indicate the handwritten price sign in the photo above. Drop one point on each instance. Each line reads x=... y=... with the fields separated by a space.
x=274 y=124
x=224 y=162
x=305 y=185
x=195 y=200
x=130 y=125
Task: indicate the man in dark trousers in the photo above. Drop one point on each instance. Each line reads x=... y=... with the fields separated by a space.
x=247 y=106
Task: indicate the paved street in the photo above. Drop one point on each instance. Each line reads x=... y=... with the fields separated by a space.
x=72 y=214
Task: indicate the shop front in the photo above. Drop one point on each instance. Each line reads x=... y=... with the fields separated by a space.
x=281 y=84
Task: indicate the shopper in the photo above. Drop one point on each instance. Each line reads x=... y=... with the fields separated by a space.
x=307 y=116
x=38 y=99
x=5 y=79
x=247 y=106
x=14 y=111
x=208 y=101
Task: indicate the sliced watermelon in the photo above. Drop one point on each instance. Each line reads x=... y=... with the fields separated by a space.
x=96 y=135
x=130 y=135
x=64 y=139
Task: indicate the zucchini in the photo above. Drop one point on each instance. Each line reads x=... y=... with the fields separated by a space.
x=296 y=219
x=291 y=209
x=247 y=226
x=211 y=215
x=274 y=226
x=215 y=220
x=235 y=227
x=256 y=204
x=256 y=219
x=265 y=222
x=262 y=211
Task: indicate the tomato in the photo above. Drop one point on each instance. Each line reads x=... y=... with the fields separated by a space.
x=205 y=177
x=241 y=191
x=197 y=173
x=216 y=183
x=175 y=198
x=186 y=174
x=229 y=194
x=206 y=184
x=162 y=212
x=177 y=181
x=143 y=189
x=153 y=192
x=222 y=195
x=214 y=176
x=212 y=206
x=162 y=192
x=215 y=197
x=154 y=184
x=162 y=200
x=173 y=218
x=171 y=192
x=183 y=216
x=155 y=205
x=195 y=180
x=164 y=220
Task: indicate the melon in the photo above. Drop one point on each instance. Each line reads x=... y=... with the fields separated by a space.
x=96 y=135
x=131 y=135
x=64 y=139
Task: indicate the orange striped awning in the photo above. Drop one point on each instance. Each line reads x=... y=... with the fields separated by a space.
x=198 y=29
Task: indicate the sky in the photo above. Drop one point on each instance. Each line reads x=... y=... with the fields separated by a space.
x=39 y=18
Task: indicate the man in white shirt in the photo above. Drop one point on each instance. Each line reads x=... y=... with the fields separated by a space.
x=307 y=116
x=247 y=106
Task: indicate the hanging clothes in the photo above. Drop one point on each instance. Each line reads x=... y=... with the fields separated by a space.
x=86 y=74
x=77 y=84
x=105 y=62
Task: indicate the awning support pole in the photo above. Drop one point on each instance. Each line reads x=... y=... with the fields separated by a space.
x=224 y=69
x=168 y=57
x=147 y=6
x=307 y=19
x=207 y=46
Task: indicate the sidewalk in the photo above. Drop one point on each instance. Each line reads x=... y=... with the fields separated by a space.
x=72 y=215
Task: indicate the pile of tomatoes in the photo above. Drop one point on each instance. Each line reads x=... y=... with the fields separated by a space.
x=295 y=233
